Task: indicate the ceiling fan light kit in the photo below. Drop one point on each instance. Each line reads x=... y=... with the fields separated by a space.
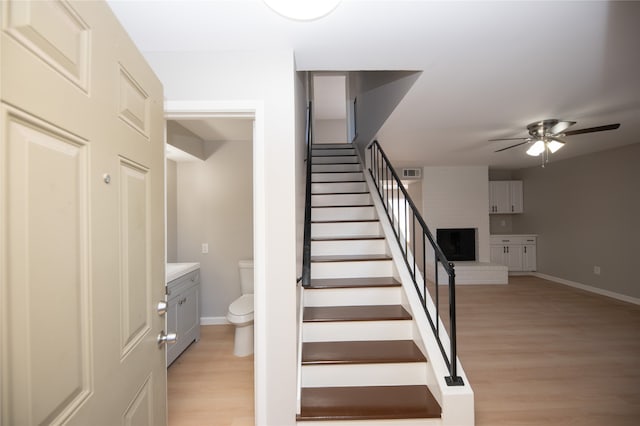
x=546 y=136
x=537 y=148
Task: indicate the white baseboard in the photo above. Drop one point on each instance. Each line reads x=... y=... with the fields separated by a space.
x=213 y=321
x=591 y=289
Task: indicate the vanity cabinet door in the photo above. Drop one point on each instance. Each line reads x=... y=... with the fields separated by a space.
x=183 y=313
x=188 y=316
x=172 y=327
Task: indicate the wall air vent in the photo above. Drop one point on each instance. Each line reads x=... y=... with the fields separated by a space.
x=412 y=173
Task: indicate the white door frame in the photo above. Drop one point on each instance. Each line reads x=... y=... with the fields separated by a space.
x=250 y=108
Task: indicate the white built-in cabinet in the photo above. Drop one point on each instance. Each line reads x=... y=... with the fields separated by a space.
x=505 y=196
x=183 y=312
x=517 y=252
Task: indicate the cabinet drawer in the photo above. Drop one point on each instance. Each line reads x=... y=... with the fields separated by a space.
x=512 y=240
x=182 y=283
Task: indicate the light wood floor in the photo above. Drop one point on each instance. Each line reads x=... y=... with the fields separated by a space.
x=536 y=353
x=208 y=385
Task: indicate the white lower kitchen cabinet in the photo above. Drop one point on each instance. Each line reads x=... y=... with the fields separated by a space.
x=183 y=312
x=517 y=252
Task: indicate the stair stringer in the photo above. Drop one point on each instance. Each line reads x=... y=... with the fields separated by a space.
x=457 y=402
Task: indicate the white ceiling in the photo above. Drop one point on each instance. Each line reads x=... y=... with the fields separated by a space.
x=489 y=68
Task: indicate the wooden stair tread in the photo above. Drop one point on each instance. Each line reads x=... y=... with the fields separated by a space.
x=350 y=258
x=340 y=205
x=343 y=205
x=355 y=313
x=340 y=193
x=368 y=403
x=334 y=164
x=345 y=221
x=340 y=181
x=361 y=352
x=337 y=171
x=349 y=238
x=321 y=283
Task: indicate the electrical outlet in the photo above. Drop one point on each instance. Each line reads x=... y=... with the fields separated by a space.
x=205 y=248
x=596 y=270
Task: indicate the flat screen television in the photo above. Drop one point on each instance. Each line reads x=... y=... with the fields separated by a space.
x=457 y=244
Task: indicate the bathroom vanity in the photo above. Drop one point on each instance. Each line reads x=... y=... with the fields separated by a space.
x=183 y=311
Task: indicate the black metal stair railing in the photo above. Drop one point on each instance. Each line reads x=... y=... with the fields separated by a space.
x=413 y=235
x=306 y=249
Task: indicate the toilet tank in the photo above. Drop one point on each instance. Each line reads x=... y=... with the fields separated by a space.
x=246 y=276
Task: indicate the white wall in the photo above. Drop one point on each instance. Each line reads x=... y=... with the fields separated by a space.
x=330 y=131
x=264 y=79
x=458 y=197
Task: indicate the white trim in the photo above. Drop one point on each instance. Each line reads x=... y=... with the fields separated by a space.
x=248 y=109
x=213 y=321
x=591 y=289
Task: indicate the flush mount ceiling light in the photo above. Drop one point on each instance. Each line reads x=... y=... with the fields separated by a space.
x=302 y=10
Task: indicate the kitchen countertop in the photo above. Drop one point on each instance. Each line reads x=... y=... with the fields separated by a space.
x=176 y=270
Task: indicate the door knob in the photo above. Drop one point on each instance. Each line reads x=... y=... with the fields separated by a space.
x=162 y=307
x=166 y=338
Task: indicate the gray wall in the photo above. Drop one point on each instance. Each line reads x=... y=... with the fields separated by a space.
x=378 y=93
x=585 y=211
x=172 y=214
x=181 y=137
x=215 y=206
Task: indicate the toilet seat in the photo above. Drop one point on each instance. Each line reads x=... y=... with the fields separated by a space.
x=241 y=310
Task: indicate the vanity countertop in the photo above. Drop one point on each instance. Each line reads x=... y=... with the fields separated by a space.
x=176 y=270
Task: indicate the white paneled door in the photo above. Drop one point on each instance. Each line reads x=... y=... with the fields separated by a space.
x=81 y=220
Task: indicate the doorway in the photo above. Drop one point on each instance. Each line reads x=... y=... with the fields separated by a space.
x=213 y=198
x=331 y=108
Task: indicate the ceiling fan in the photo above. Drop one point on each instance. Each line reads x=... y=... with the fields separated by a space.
x=546 y=136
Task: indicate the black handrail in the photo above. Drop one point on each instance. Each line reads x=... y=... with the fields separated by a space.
x=306 y=250
x=389 y=188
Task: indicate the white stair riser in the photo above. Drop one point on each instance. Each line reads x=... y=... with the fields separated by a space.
x=341 y=199
x=333 y=177
x=356 y=331
x=376 y=268
x=335 y=168
x=343 y=213
x=338 y=187
x=344 y=229
x=335 y=159
x=387 y=374
x=353 y=296
x=339 y=151
x=339 y=247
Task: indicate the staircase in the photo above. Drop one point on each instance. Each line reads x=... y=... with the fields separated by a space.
x=360 y=360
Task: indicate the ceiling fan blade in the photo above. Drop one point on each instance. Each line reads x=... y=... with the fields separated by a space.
x=508 y=139
x=561 y=127
x=513 y=146
x=592 y=129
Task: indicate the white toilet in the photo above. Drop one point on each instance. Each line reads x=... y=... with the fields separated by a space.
x=241 y=311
